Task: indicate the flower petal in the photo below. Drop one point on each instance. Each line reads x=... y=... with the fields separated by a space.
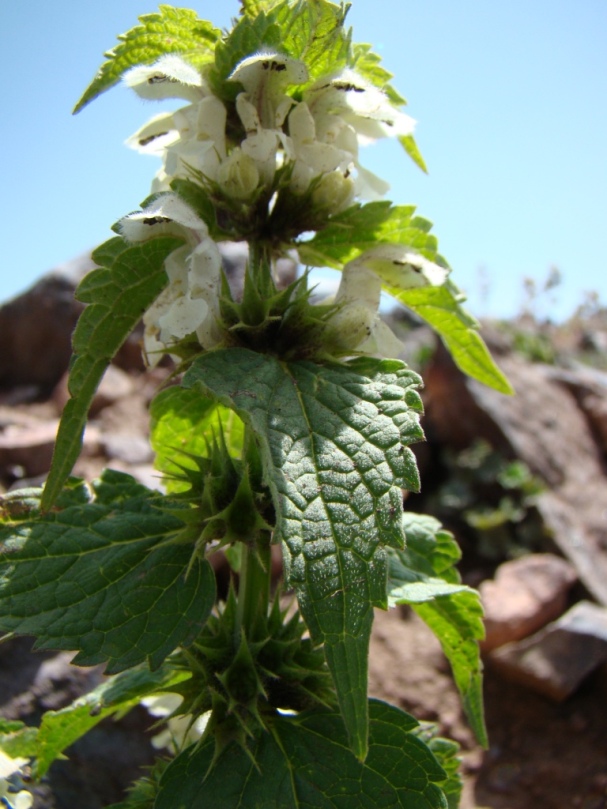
x=169 y=77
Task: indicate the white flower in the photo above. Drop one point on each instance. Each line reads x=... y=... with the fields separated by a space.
x=348 y=111
x=155 y=136
x=358 y=102
x=357 y=326
x=190 y=302
x=264 y=105
x=312 y=156
x=8 y=797
x=169 y=77
x=238 y=174
x=181 y=730
x=401 y=267
x=265 y=76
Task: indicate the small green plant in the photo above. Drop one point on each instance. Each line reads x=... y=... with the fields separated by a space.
x=290 y=425
x=491 y=500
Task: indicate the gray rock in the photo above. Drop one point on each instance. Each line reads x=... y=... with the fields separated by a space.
x=556 y=660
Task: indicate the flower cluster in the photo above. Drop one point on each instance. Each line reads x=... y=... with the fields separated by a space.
x=318 y=137
x=294 y=153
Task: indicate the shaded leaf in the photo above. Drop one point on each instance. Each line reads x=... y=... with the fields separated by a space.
x=170 y=30
x=117 y=695
x=97 y=579
x=117 y=296
x=334 y=443
x=305 y=762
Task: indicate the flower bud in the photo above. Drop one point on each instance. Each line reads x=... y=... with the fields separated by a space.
x=238 y=175
x=334 y=192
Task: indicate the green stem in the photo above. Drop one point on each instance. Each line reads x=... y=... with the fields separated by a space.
x=254 y=585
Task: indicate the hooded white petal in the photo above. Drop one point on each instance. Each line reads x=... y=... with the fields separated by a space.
x=153 y=137
x=161 y=216
x=169 y=77
x=265 y=76
x=359 y=103
x=401 y=267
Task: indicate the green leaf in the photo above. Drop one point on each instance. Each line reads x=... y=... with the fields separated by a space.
x=427 y=562
x=313 y=32
x=254 y=7
x=183 y=422
x=17 y=739
x=60 y=729
x=117 y=296
x=170 y=30
x=99 y=579
x=423 y=576
x=446 y=752
x=368 y=64
x=411 y=148
x=305 y=762
x=334 y=443
x=457 y=621
x=364 y=226
x=440 y=307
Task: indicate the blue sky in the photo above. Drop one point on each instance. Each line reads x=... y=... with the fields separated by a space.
x=510 y=100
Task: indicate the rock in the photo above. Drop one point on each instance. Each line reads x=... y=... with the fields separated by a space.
x=557 y=659
x=543 y=426
x=524 y=596
x=36 y=330
x=27 y=444
x=589 y=387
x=131 y=449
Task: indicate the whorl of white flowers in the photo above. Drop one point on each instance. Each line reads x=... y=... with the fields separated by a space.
x=319 y=135
x=317 y=138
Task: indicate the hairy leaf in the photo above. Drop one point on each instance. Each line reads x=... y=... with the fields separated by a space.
x=182 y=423
x=254 y=7
x=313 y=31
x=305 y=762
x=423 y=576
x=368 y=64
x=97 y=579
x=170 y=30
x=334 y=444
x=117 y=296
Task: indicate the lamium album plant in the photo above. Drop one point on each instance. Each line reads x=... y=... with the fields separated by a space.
x=285 y=428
